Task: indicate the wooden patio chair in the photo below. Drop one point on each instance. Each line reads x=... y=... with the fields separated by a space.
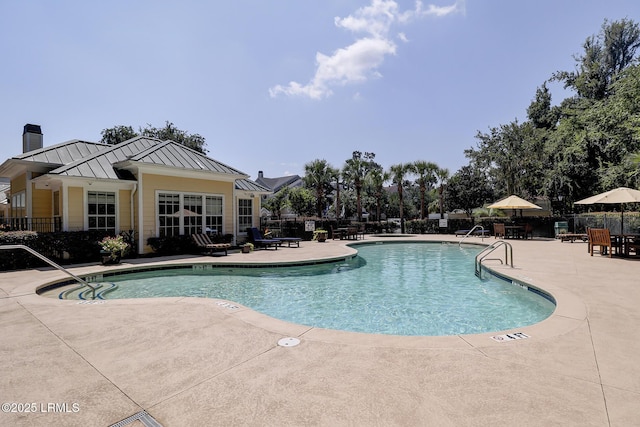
x=336 y=233
x=499 y=230
x=601 y=237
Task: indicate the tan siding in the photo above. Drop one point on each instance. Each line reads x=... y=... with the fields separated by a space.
x=124 y=212
x=76 y=208
x=42 y=203
x=19 y=184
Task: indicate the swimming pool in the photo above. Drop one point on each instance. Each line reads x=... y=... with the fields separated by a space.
x=391 y=288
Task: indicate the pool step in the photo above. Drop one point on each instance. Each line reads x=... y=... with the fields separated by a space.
x=84 y=293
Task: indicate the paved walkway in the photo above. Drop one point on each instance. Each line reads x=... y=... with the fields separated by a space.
x=196 y=362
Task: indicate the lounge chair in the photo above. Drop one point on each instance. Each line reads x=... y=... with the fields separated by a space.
x=572 y=237
x=204 y=242
x=289 y=241
x=256 y=238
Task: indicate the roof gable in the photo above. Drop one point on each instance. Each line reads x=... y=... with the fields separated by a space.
x=276 y=184
x=100 y=164
x=249 y=185
x=142 y=150
x=170 y=153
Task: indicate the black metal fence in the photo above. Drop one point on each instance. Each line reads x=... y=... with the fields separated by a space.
x=39 y=225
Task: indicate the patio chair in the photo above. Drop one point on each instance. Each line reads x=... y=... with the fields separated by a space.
x=204 y=242
x=527 y=231
x=601 y=237
x=258 y=241
x=289 y=241
x=632 y=245
x=499 y=230
x=336 y=233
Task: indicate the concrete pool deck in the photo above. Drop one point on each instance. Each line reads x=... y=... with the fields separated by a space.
x=190 y=361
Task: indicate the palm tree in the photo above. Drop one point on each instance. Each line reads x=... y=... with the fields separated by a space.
x=336 y=176
x=318 y=177
x=426 y=172
x=354 y=172
x=398 y=173
x=443 y=175
x=375 y=180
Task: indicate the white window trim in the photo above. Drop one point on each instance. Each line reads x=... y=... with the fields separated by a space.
x=181 y=195
x=244 y=232
x=101 y=190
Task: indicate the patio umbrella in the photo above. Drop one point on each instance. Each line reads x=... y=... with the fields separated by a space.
x=185 y=212
x=617 y=195
x=513 y=202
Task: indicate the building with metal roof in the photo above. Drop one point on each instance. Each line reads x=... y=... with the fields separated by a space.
x=143 y=185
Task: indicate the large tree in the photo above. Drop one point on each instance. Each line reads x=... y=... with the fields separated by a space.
x=399 y=174
x=318 y=177
x=512 y=154
x=118 y=134
x=426 y=172
x=468 y=189
x=301 y=201
x=336 y=175
x=354 y=171
x=604 y=57
x=442 y=174
x=375 y=181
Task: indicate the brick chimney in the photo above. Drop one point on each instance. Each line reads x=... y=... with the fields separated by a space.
x=31 y=138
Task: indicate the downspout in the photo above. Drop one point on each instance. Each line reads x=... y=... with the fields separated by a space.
x=28 y=195
x=140 y=216
x=233 y=213
x=65 y=206
x=131 y=209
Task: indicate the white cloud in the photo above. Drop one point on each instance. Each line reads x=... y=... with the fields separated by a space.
x=360 y=61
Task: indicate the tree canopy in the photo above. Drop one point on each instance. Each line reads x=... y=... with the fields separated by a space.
x=584 y=145
x=118 y=134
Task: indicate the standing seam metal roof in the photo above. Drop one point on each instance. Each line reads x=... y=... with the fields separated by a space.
x=63 y=153
x=143 y=150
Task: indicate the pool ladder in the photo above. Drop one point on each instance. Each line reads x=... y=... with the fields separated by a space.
x=508 y=256
x=53 y=264
x=475 y=227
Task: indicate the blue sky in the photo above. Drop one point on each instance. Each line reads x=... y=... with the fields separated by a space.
x=273 y=85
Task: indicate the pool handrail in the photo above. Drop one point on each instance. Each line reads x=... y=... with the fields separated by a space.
x=53 y=264
x=508 y=255
x=475 y=227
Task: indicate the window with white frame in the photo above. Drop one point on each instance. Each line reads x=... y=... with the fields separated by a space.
x=245 y=214
x=169 y=214
x=101 y=211
x=18 y=205
x=192 y=214
x=213 y=214
x=189 y=214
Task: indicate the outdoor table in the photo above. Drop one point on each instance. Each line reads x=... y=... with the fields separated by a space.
x=623 y=241
x=513 y=231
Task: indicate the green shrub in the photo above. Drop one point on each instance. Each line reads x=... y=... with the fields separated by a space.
x=17 y=259
x=172 y=245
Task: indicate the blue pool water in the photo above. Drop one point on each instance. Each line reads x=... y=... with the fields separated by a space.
x=391 y=288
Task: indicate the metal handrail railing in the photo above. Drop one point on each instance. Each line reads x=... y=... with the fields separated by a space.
x=53 y=264
x=475 y=227
x=508 y=256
